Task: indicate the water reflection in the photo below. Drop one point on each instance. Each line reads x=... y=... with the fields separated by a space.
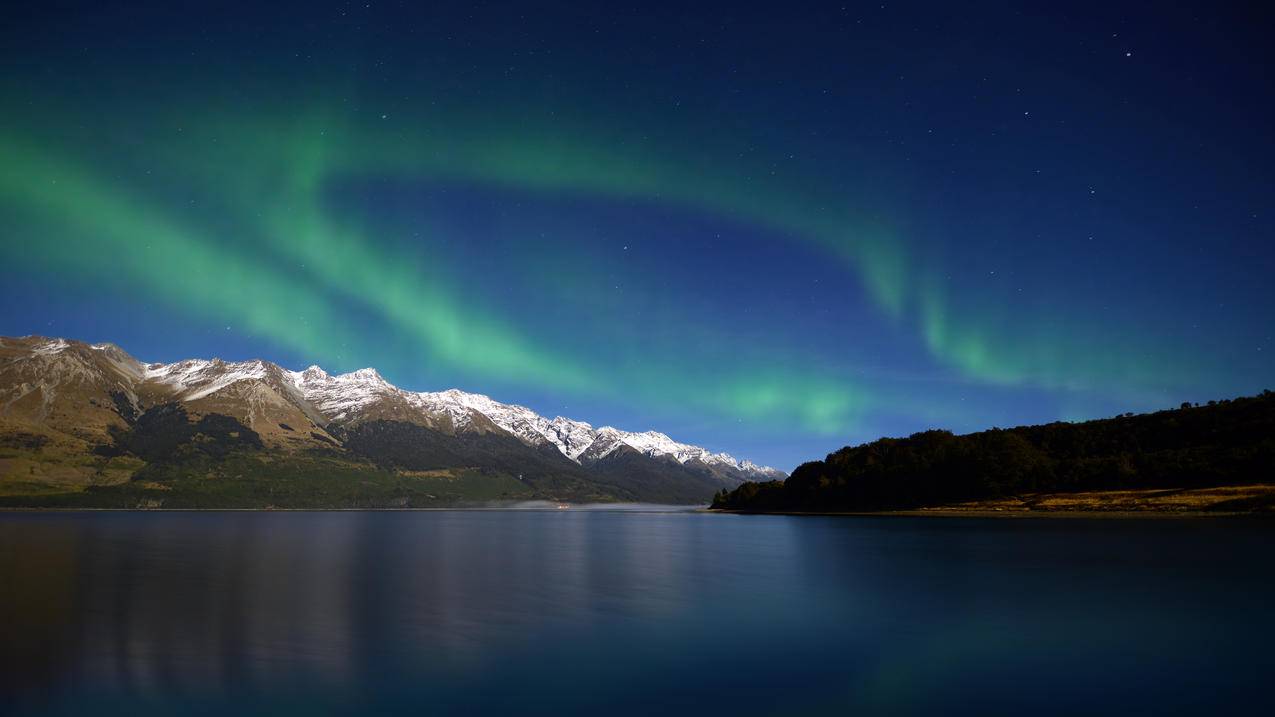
x=624 y=612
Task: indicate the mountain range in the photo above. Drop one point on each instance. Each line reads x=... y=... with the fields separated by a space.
x=88 y=424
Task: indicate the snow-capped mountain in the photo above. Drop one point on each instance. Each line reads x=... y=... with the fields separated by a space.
x=64 y=383
x=342 y=396
x=576 y=440
x=346 y=397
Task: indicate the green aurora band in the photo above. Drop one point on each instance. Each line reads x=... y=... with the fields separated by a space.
x=104 y=232
x=265 y=177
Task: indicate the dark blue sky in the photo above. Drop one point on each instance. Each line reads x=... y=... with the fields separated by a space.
x=769 y=229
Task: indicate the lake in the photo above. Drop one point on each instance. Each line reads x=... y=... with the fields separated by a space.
x=630 y=612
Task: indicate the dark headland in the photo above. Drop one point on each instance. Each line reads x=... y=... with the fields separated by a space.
x=1213 y=459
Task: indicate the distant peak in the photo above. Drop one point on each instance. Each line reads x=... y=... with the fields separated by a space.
x=656 y=435
x=366 y=374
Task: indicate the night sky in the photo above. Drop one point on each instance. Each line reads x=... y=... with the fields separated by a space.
x=770 y=229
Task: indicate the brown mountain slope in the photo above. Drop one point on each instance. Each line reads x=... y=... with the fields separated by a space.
x=89 y=424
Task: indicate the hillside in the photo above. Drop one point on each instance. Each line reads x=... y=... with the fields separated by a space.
x=91 y=426
x=1110 y=462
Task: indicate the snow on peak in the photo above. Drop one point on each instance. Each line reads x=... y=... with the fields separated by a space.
x=339 y=396
x=343 y=396
x=52 y=346
x=571 y=438
x=314 y=372
x=576 y=438
x=656 y=444
x=525 y=424
x=196 y=378
x=365 y=375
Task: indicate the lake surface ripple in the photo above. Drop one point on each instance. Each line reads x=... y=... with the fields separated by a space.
x=630 y=612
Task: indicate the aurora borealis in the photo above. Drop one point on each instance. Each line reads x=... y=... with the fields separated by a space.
x=767 y=231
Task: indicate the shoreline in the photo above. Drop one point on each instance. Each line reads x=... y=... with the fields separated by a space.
x=583 y=508
x=1253 y=499
x=946 y=513
x=1011 y=514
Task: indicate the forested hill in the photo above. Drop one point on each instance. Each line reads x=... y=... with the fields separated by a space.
x=1230 y=442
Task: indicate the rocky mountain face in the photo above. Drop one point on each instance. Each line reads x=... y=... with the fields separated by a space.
x=96 y=416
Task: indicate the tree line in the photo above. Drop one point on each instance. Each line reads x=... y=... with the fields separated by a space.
x=1229 y=442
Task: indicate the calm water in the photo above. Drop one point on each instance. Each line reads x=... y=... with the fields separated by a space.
x=630 y=613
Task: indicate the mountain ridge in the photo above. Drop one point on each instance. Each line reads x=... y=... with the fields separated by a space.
x=97 y=394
